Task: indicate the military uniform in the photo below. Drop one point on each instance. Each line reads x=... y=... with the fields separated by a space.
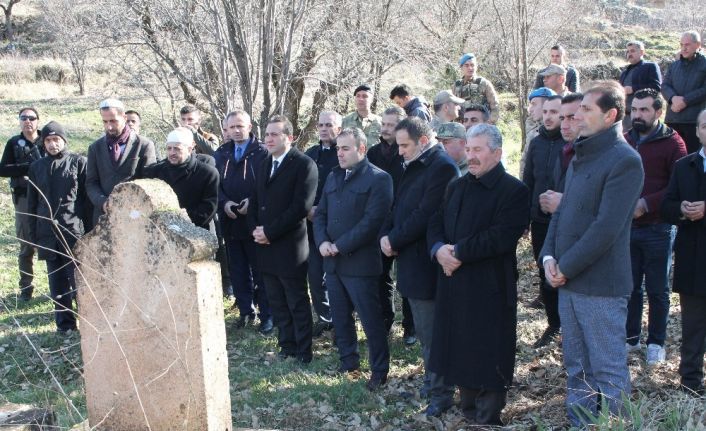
x=370 y=125
x=478 y=91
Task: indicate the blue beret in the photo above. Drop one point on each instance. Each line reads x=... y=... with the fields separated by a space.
x=541 y=92
x=465 y=57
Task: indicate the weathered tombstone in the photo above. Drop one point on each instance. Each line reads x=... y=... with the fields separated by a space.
x=152 y=330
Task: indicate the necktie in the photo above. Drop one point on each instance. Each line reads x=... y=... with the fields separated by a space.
x=275 y=165
x=238 y=153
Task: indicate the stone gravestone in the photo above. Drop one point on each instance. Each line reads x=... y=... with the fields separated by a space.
x=152 y=330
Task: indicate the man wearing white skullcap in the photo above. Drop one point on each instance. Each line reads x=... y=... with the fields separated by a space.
x=119 y=155
x=194 y=182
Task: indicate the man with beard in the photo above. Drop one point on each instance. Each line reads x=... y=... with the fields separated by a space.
x=362 y=118
x=651 y=237
x=324 y=155
x=684 y=89
x=206 y=143
x=195 y=183
x=238 y=162
x=534 y=120
x=476 y=303
x=115 y=157
x=428 y=170
x=542 y=158
x=385 y=155
x=476 y=89
x=20 y=151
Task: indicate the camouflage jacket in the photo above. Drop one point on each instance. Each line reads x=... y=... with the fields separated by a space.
x=370 y=126
x=531 y=132
x=478 y=91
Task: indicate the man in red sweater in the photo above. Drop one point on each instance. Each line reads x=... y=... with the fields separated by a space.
x=651 y=237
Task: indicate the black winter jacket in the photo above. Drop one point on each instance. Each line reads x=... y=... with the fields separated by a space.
x=539 y=174
x=19 y=153
x=58 y=203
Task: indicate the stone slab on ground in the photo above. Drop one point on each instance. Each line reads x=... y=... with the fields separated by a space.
x=24 y=417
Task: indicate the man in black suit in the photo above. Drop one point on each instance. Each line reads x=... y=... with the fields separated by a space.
x=428 y=170
x=284 y=194
x=354 y=204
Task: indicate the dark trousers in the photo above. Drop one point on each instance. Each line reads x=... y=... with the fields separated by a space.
x=222 y=258
x=317 y=283
x=247 y=282
x=62 y=286
x=687 y=131
x=693 y=341
x=24 y=259
x=550 y=296
x=386 y=288
x=360 y=294
x=651 y=258
x=482 y=407
x=289 y=302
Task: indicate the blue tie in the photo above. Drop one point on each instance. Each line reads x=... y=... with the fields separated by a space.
x=238 y=153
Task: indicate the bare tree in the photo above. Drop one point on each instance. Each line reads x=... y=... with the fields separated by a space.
x=7 y=10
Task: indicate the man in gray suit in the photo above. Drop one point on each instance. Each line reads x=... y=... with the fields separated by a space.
x=115 y=157
x=586 y=254
x=354 y=203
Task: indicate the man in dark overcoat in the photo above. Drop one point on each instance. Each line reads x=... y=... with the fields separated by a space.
x=284 y=194
x=476 y=299
x=428 y=170
x=683 y=205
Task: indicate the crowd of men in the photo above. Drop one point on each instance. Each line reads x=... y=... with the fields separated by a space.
x=605 y=187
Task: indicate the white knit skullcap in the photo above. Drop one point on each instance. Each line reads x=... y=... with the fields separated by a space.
x=180 y=135
x=111 y=103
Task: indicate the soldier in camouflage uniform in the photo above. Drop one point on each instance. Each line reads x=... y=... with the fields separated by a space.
x=20 y=151
x=476 y=89
x=362 y=118
x=206 y=143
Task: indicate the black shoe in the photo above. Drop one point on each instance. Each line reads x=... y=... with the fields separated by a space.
x=437 y=408
x=305 y=359
x=537 y=303
x=376 y=381
x=347 y=370
x=26 y=293
x=266 y=327
x=320 y=327
x=694 y=392
x=245 y=320
x=550 y=334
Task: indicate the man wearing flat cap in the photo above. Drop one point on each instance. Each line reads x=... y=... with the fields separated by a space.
x=446 y=108
x=115 y=157
x=453 y=137
x=362 y=117
x=476 y=89
x=554 y=77
x=194 y=182
x=557 y=55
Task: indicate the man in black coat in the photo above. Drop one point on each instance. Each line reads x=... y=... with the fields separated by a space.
x=20 y=151
x=194 y=182
x=385 y=155
x=683 y=205
x=324 y=154
x=476 y=315
x=57 y=202
x=541 y=163
x=238 y=162
x=354 y=204
x=428 y=170
x=284 y=194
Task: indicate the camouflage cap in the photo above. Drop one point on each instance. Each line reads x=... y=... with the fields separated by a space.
x=451 y=130
x=445 y=96
x=553 y=69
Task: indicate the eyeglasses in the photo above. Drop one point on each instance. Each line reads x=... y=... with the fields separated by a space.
x=27 y=118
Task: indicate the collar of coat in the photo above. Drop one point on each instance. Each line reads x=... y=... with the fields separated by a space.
x=491 y=178
x=428 y=155
x=356 y=168
x=600 y=142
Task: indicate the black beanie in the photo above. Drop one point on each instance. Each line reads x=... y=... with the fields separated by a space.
x=53 y=128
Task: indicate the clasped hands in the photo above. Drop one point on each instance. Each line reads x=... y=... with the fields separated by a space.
x=553 y=274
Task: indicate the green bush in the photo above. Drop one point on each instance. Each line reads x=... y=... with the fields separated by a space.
x=51 y=71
